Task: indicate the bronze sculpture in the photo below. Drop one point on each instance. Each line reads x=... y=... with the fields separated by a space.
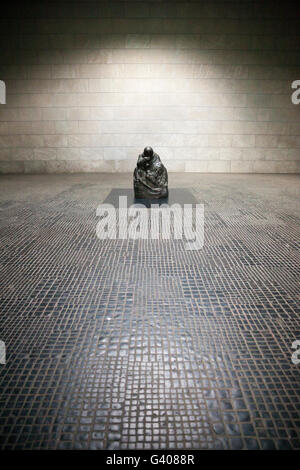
x=150 y=178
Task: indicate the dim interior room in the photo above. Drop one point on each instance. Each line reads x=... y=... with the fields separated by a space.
x=142 y=344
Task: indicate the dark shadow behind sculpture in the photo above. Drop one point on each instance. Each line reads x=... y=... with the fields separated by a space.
x=150 y=177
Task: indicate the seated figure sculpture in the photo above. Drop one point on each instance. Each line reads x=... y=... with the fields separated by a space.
x=150 y=178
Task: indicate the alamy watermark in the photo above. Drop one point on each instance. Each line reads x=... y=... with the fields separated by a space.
x=296 y=94
x=2 y=92
x=2 y=352
x=296 y=354
x=158 y=222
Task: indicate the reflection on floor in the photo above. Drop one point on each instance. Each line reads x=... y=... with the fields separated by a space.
x=140 y=344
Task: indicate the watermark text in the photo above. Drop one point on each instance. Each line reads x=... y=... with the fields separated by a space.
x=158 y=222
x=2 y=92
x=296 y=354
x=296 y=94
x=2 y=352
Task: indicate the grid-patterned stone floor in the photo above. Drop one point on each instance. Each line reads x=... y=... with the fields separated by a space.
x=140 y=344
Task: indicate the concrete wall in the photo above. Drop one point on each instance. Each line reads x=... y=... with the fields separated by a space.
x=207 y=84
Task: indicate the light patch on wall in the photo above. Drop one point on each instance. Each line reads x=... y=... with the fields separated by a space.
x=217 y=100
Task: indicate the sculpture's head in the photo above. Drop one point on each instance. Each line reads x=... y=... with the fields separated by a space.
x=148 y=153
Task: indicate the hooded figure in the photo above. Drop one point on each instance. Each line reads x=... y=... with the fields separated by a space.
x=150 y=177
